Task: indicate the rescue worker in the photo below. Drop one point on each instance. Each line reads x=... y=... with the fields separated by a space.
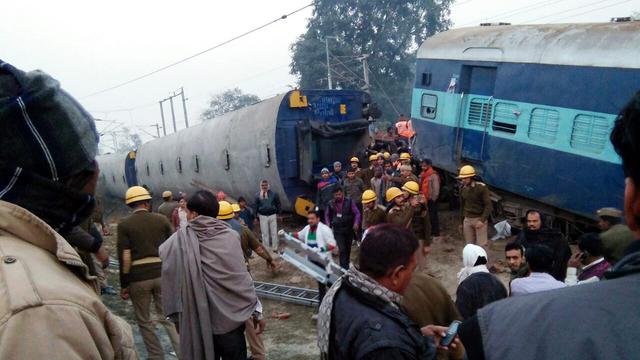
x=246 y=213
x=405 y=158
x=249 y=243
x=343 y=216
x=355 y=165
x=475 y=207
x=386 y=156
x=139 y=237
x=50 y=306
x=373 y=214
x=168 y=205
x=420 y=224
x=367 y=174
x=398 y=212
x=616 y=237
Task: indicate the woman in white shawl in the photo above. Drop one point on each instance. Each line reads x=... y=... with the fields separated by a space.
x=477 y=287
x=206 y=285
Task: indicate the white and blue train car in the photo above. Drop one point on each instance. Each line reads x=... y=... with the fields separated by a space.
x=531 y=107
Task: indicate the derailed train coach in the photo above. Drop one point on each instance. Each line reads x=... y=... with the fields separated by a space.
x=285 y=140
x=531 y=107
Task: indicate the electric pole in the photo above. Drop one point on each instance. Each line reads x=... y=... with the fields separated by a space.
x=184 y=107
x=164 y=126
x=173 y=114
x=326 y=46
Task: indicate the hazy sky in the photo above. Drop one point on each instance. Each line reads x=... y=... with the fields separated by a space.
x=90 y=46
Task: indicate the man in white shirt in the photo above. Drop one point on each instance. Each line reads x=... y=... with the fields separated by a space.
x=318 y=236
x=540 y=260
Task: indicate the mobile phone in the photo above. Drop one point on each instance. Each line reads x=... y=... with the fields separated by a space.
x=451 y=333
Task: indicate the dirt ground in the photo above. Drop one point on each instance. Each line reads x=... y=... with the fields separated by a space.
x=295 y=337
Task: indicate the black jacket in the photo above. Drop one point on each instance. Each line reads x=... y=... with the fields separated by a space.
x=555 y=241
x=269 y=206
x=476 y=291
x=365 y=327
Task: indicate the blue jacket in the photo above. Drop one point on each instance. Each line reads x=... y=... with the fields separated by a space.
x=365 y=327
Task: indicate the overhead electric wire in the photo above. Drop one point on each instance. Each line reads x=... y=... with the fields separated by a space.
x=592 y=10
x=576 y=8
x=283 y=17
x=513 y=12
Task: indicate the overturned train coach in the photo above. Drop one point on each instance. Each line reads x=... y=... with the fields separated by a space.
x=531 y=107
x=285 y=140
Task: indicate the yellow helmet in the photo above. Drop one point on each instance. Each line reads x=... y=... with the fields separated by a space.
x=166 y=194
x=354 y=159
x=467 y=171
x=236 y=208
x=136 y=193
x=386 y=155
x=373 y=157
x=393 y=193
x=405 y=156
x=411 y=187
x=368 y=196
x=226 y=211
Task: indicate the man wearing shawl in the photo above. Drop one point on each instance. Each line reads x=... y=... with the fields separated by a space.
x=477 y=287
x=206 y=285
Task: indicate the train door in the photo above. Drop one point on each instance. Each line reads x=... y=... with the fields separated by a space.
x=478 y=82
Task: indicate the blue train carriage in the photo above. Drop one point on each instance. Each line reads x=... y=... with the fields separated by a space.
x=531 y=107
x=285 y=139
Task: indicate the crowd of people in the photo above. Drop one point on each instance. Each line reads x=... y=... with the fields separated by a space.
x=189 y=260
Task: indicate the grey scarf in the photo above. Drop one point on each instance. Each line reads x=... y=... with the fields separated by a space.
x=362 y=282
x=206 y=282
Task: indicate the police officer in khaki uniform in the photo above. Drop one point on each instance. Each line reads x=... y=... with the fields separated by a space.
x=373 y=214
x=139 y=237
x=420 y=224
x=398 y=212
x=50 y=308
x=169 y=204
x=475 y=205
x=616 y=237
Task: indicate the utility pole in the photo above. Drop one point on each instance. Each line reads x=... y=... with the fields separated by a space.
x=184 y=107
x=173 y=115
x=365 y=69
x=157 y=128
x=326 y=46
x=164 y=126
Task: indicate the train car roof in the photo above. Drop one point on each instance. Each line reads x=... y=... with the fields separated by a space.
x=586 y=44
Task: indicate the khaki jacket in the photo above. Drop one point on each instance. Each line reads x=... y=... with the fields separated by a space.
x=49 y=307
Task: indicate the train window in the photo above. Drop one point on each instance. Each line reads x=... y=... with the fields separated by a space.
x=505 y=117
x=428 y=106
x=543 y=125
x=113 y=177
x=590 y=133
x=197 y=163
x=161 y=168
x=426 y=79
x=479 y=111
x=179 y=165
x=228 y=159
x=148 y=170
x=124 y=181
